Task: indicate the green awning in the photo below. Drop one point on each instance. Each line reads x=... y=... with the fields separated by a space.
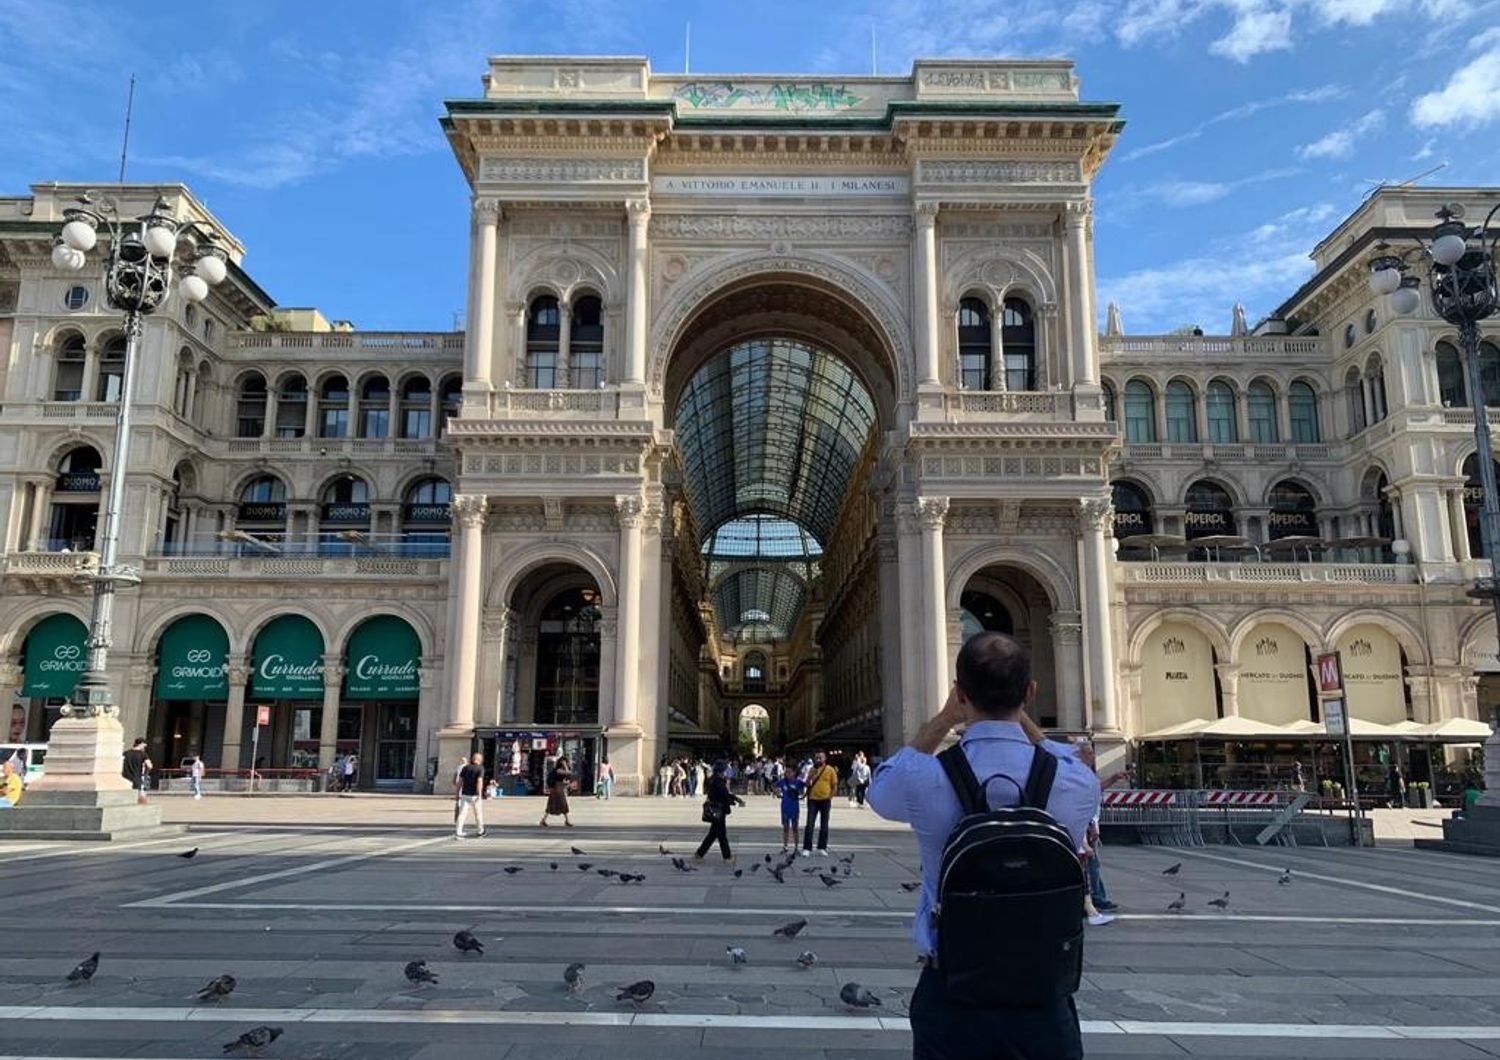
x=193 y=660
x=382 y=661
x=56 y=656
x=288 y=660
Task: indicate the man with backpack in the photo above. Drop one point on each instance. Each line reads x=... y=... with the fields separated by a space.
x=1000 y=819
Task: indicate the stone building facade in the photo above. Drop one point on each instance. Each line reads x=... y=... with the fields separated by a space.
x=772 y=389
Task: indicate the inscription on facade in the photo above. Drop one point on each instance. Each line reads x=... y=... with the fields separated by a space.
x=798 y=185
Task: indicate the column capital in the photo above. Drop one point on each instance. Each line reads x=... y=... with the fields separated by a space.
x=629 y=510
x=932 y=512
x=239 y=675
x=1096 y=513
x=498 y=624
x=469 y=510
x=1067 y=627
x=1075 y=214
x=333 y=671
x=487 y=210
x=925 y=212
x=638 y=211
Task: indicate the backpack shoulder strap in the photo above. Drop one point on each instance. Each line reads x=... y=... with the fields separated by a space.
x=1039 y=780
x=971 y=797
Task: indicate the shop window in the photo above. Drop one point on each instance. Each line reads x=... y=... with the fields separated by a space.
x=1133 y=512
x=1293 y=511
x=1210 y=511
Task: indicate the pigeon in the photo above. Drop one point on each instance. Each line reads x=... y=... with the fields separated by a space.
x=465 y=942
x=511 y=870
x=417 y=972
x=856 y=996
x=909 y=887
x=217 y=989
x=737 y=954
x=576 y=852
x=552 y=865
x=573 y=977
x=1179 y=904
x=738 y=873
x=255 y=1039
x=1220 y=903
x=768 y=859
x=188 y=854
x=754 y=868
x=607 y=873
x=776 y=873
x=638 y=993
x=85 y=970
x=1285 y=877
x=584 y=866
x=830 y=881
x=791 y=929
x=662 y=848
x=806 y=959
x=848 y=860
x=682 y=866
x=627 y=877
x=1172 y=870
x=848 y=872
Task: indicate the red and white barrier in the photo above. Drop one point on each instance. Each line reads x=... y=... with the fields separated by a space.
x=1139 y=798
x=1240 y=798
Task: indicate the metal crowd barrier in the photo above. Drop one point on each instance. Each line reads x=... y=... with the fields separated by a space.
x=1193 y=818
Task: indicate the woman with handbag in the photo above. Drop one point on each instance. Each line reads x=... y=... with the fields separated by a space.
x=557 y=792
x=716 y=809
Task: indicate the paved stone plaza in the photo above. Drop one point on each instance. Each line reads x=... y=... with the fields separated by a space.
x=315 y=905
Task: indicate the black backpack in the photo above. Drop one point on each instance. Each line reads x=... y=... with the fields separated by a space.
x=1009 y=913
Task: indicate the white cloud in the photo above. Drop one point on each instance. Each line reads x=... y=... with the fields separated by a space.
x=1472 y=95
x=1258 y=28
x=1340 y=143
x=1195 y=192
x=1321 y=94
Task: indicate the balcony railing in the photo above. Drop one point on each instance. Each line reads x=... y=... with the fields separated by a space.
x=298 y=567
x=1230 y=452
x=400 y=343
x=1008 y=404
x=1268 y=573
x=60 y=410
x=51 y=564
x=1196 y=347
x=547 y=404
x=421 y=544
x=321 y=447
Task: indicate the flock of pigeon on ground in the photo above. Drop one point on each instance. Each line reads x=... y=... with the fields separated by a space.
x=853 y=995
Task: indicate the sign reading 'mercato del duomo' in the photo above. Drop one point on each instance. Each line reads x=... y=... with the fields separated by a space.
x=770 y=391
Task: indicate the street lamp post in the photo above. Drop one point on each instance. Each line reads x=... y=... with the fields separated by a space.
x=146 y=259
x=1462 y=286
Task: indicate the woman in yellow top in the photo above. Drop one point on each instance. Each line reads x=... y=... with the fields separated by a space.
x=822 y=782
x=10 y=790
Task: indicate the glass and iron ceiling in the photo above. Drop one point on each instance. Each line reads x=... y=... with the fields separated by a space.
x=769 y=433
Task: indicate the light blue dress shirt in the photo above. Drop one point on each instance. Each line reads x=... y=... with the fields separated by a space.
x=912 y=787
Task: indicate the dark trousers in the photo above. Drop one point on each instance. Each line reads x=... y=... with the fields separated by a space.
x=718 y=830
x=942 y=1030
x=817 y=808
x=859 y=793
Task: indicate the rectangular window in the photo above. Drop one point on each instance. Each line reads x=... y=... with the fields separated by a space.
x=972 y=371
x=1018 y=372
x=1139 y=427
x=541 y=370
x=1262 y=424
x=586 y=369
x=374 y=422
x=335 y=423
x=1304 y=424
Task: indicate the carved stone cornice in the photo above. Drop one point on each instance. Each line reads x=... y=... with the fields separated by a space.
x=989 y=172
x=567 y=170
x=726 y=226
x=469 y=510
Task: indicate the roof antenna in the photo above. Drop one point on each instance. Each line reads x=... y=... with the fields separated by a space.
x=687 y=47
x=125 y=143
x=874 y=54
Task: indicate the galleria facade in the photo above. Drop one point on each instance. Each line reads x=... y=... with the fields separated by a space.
x=772 y=389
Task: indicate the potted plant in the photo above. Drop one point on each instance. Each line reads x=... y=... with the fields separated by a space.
x=1422 y=791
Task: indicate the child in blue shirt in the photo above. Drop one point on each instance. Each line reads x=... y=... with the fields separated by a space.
x=791 y=787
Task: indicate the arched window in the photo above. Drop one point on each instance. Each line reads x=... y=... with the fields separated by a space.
x=755 y=673
x=1354 y=398
x=1293 y=511
x=451 y=399
x=78 y=472
x=1450 y=374
x=1375 y=493
x=1302 y=404
x=202 y=380
x=111 y=381
x=1133 y=513
x=1110 y=407
x=1018 y=340
x=1371 y=321
x=586 y=344
x=979 y=612
x=344 y=508
x=74 y=521
x=1210 y=511
x=426 y=517
x=1261 y=411
x=333 y=408
x=1489 y=373
x=182 y=389
x=262 y=508
x=1375 y=376
x=1140 y=412
x=543 y=327
x=72 y=356
x=1222 y=426
x=567 y=659
x=975 y=342
x=291 y=406
x=1349 y=336
x=375 y=408
x=1474 y=505
x=1182 y=413
x=250 y=406
x=416 y=407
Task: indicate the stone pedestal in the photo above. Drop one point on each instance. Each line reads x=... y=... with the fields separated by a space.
x=1479 y=831
x=627 y=751
x=454 y=746
x=84 y=754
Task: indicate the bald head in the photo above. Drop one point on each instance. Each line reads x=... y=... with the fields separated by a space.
x=994 y=674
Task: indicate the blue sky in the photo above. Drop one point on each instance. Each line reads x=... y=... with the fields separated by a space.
x=311 y=128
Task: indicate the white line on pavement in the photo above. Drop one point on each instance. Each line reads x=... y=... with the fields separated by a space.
x=1342 y=881
x=97 y=847
x=178 y=1014
x=301 y=870
x=430 y=907
x=1258 y=918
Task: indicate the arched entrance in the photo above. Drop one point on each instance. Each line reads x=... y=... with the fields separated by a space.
x=191 y=692
x=778 y=391
x=1005 y=599
x=754 y=730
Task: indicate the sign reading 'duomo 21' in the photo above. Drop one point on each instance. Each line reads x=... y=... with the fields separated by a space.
x=792 y=185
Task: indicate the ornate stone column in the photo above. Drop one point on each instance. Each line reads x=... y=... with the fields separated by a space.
x=564 y=340
x=1067 y=661
x=1044 y=330
x=638 y=216
x=627 y=670
x=429 y=689
x=927 y=293
x=997 y=346
x=609 y=633
x=1419 y=688
x=1081 y=337
x=469 y=511
x=234 y=712
x=932 y=513
x=497 y=628
x=333 y=694
x=1095 y=516
x=1458 y=523
x=479 y=339
x=1229 y=684
x=909 y=581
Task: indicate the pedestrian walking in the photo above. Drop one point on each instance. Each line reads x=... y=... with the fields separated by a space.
x=351 y=772
x=791 y=789
x=557 y=792
x=717 y=806
x=137 y=767
x=1395 y=787
x=195 y=775
x=822 y=782
x=990 y=1001
x=1098 y=903
x=860 y=773
x=663 y=778
x=604 y=783
x=468 y=797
